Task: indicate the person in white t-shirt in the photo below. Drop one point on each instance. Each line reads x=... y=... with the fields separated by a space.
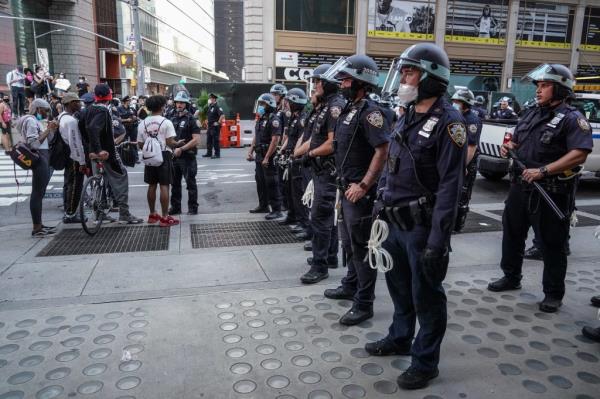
x=160 y=127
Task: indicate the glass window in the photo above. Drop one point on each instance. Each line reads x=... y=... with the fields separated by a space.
x=544 y=25
x=477 y=21
x=590 y=37
x=589 y=107
x=402 y=19
x=326 y=16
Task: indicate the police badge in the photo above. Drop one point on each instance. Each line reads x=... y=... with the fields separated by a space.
x=457 y=133
x=375 y=118
x=275 y=123
x=584 y=124
x=473 y=128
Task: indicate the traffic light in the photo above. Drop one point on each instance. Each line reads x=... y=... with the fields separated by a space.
x=127 y=60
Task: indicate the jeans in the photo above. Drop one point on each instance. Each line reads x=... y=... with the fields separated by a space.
x=185 y=167
x=18 y=100
x=119 y=185
x=39 y=182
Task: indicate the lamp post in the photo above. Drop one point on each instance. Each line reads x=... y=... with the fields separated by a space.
x=35 y=37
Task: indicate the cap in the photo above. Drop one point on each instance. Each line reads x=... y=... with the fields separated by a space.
x=213 y=95
x=70 y=97
x=126 y=98
x=87 y=98
x=39 y=103
x=102 y=92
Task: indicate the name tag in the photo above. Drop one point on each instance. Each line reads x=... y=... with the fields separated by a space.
x=424 y=134
x=556 y=120
x=350 y=116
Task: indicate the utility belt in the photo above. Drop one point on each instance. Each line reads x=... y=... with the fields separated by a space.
x=321 y=165
x=552 y=185
x=410 y=214
x=261 y=149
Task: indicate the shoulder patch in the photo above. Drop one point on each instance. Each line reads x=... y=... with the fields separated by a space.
x=457 y=133
x=584 y=124
x=288 y=114
x=473 y=128
x=375 y=118
x=335 y=111
x=275 y=123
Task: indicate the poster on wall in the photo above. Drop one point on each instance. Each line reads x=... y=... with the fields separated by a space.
x=544 y=25
x=590 y=37
x=477 y=21
x=401 y=19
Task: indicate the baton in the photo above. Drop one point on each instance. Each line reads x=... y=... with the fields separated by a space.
x=539 y=188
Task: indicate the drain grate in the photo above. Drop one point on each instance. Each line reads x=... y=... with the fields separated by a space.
x=109 y=240
x=215 y=235
x=478 y=223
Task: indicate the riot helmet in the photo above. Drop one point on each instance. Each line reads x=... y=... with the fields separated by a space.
x=296 y=98
x=479 y=100
x=359 y=67
x=434 y=65
x=392 y=80
x=182 y=97
x=559 y=75
x=330 y=86
x=265 y=103
x=464 y=95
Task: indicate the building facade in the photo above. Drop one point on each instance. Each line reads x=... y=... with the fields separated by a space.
x=229 y=38
x=491 y=43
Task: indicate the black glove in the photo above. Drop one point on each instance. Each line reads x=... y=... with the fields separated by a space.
x=434 y=263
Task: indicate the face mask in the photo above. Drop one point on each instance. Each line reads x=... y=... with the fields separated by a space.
x=80 y=80
x=261 y=110
x=407 y=93
x=457 y=107
x=6 y=100
x=39 y=117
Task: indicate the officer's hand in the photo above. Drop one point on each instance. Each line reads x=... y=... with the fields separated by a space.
x=434 y=263
x=354 y=193
x=265 y=162
x=103 y=155
x=250 y=156
x=505 y=147
x=531 y=175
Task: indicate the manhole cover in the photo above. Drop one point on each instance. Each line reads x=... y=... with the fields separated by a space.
x=109 y=240
x=240 y=234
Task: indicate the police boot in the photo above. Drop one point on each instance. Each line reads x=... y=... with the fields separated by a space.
x=297 y=229
x=533 y=253
x=387 y=347
x=260 y=209
x=550 y=305
x=174 y=211
x=308 y=246
x=414 y=378
x=287 y=221
x=331 y=263
x=314 y=275
x=274 y=215
x=356 y=316
x=595 y=300
x=504 y=284
x=338 y=293
x=591 y=333
x=461 y=218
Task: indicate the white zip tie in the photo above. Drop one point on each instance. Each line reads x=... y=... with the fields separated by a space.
x=309 y=195
x=379 y=258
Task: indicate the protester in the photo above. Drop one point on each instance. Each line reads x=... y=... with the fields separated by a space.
x=15 y=79
x=5 y=120
x=82 y=86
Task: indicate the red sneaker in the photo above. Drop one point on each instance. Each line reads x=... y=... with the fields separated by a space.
x=168 y=221
x=154 y=218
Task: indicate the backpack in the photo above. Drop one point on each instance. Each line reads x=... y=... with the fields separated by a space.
x=6 y=114
x=152 y=150
x=60 y=153
x=22 y=154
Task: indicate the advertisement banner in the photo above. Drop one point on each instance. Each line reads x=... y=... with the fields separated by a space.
x=401 y=19
x=286 y=59
x=590 y=37
x=477 y=21
x=544 y=25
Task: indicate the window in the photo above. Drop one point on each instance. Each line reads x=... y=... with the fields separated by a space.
x=477 y=21
x=588 y=107
x=544 y=25
x=404 y=19
x=325 y=16
x=590 y=37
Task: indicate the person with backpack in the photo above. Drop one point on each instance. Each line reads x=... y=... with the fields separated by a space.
x=74 y=155
x=35 y=129
x=5 y=120
x=156 y=138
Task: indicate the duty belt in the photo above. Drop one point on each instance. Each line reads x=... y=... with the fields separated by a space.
x=552 y=185
x=261 y=149
x=322 y=165
x=410 y=214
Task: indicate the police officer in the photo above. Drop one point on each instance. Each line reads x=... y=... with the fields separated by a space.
x=320 y=155
x=504 y=111
x=478 y=108
x=419 y=189
x=361 y=145
x=550 y=140
x=266 y=136
x=184 y=156
x=279 y=91
x=214 y=118
x=463 y=100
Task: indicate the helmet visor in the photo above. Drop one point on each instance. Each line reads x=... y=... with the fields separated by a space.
x=335 y=69
x=546 y=73
x=392 y=81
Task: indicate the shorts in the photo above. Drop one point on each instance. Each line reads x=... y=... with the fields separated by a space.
x=162 y=174
x=7 y=130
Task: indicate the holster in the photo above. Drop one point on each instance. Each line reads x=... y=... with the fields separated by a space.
x=321 y=165
x=410 y=214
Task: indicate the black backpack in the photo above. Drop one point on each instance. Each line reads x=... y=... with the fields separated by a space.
x=59 y=151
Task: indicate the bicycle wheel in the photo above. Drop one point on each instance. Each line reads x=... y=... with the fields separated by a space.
x=91 y=210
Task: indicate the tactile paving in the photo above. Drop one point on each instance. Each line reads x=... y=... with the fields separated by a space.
x=213 y=235
x=110 y=239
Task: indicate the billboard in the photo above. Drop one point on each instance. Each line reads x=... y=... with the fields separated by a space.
x=401 y=19
x=477 y=21
x=544 y=25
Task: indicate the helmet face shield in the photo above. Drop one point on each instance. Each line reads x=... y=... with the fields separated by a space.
x=336 y=68
x=546 y=73
x=392 y=81
x=429 y=68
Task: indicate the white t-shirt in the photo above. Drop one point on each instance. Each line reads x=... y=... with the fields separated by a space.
x=156 y=124
x=69 y=130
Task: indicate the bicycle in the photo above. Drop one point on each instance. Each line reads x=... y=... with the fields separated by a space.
x=95 y=202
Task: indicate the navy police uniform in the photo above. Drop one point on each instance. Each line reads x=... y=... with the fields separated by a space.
x=185 y=166
x=267 y=180
x=506 y=113
x=360 y=129
x=473 y=124
x=420 y=189
x=543 y=136
x=294 y=179
x=325 y=237
x=214 y=130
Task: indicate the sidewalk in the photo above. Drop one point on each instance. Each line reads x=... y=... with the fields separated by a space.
x=235 y=322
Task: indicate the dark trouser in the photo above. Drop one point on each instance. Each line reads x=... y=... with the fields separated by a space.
x=18 y=99
x=355 y=229
x=39 y=181
x=465 y=194
x=325 y=235
x=73 y=179
x=415 y=298
x=213 y=137
x=267 y=184
x=526 y=208
x=185 y=167
x=297 y=188
x=116 y=176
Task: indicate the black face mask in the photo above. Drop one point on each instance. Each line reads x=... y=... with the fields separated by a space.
x=6 y=100
x=351 y=92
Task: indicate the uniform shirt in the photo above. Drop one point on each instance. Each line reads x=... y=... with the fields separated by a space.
x=294 y=130
x=480 y=112
x=185 y=126
x=545 y=135
x=507 y=113
x=389 y=115
x=309 y=123
x=437 y=142
x=266 y=127
x=213 y=113
x=69 y=131
x=126 y=113
x=473 y=124
x=284 y=117
x=326 y=119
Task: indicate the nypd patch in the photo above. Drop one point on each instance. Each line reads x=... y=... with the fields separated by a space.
x=375 y=118
x=457 y=133
x=473 y=128
x=584 y=124
x=288 y=114
x=275 y=123
x=335 y=111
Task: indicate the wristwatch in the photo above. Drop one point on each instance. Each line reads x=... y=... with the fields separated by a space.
x=544 y=171
x=363 y=185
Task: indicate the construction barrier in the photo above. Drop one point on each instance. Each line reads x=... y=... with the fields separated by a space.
x=231 y=133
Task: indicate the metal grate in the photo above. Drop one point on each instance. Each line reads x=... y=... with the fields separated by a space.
x=215 y=235
x=477 y=223
x=109 y=240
